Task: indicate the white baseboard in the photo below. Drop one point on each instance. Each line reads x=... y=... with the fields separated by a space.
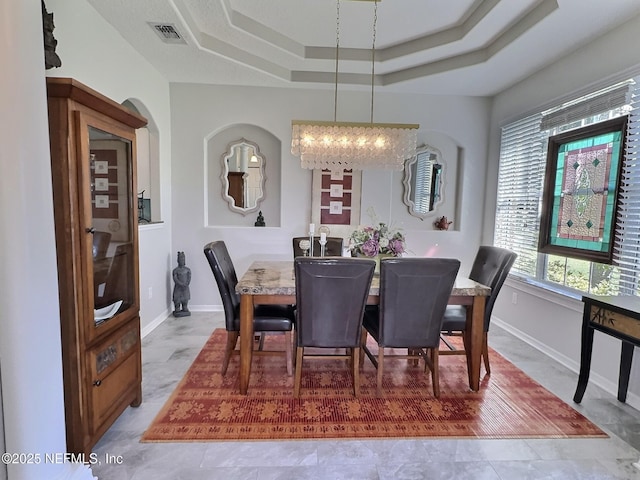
x=206 y=308
x=633 y=400
x=156 y=322
x=150 y=327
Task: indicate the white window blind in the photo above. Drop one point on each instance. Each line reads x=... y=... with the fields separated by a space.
x=422 y=185
x=585 y=107
x=520 y=182
x=521 y=178
x=626 y=251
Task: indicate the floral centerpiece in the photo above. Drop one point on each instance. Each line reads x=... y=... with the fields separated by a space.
x=370 y=241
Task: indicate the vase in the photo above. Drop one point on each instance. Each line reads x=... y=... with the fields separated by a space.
x=377 y=258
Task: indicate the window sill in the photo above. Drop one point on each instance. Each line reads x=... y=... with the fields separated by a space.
x=564 y=297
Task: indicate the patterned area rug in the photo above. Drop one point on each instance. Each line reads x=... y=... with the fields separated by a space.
x=206 y=406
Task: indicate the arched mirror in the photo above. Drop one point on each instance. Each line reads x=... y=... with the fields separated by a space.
x=243 y=176
x=423 y=180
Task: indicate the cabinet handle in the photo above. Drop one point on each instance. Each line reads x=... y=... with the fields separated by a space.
x=90 y=230
x=97 y=383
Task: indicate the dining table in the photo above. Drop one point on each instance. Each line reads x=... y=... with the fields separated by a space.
x=272 y=282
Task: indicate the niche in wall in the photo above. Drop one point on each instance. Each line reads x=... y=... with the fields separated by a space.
x=218 y=212
x=450 y=189
x=148 y=166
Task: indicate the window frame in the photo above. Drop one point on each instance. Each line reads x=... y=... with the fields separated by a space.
x=594 y=251
x=520 y=180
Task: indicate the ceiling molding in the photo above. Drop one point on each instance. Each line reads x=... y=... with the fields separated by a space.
x=472 y=47
x=526 y=20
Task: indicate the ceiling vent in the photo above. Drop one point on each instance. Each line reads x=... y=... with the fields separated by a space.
x=167 y=32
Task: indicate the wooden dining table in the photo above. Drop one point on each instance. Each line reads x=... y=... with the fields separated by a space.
x=273 y=282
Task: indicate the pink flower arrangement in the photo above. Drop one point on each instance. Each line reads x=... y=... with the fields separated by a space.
x=371 y=241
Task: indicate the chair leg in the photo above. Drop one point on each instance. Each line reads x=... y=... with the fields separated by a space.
x=485 y=353
x=355 y=352
x=288 y=347
x=295 y=347
x=261 y=342
x=363 y=344
x=380 y=368
x=435 y=375
x=232 y=339
x=466 y=337
x=298 y=375
x=414 y=356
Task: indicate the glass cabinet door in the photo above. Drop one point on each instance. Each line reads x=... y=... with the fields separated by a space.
x=110 y=228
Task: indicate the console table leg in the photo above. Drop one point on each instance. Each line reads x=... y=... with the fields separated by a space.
x=626 y=357
x=585 y=361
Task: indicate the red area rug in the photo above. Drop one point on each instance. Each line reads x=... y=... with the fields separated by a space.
x=206 y=406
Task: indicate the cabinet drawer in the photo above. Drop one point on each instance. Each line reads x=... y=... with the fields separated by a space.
x=111 y=394
x=107 y=355
x=115 y=374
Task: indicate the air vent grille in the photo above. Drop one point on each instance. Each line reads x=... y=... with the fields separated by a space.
x=167 y=32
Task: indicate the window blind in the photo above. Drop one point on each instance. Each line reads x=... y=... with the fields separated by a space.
x=626 y=252
x=587 y=106
x=520 y=183
x=422 y=186
x=521 y=178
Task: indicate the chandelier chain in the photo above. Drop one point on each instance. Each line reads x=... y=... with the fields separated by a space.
x=335 y=91
x=373 y=52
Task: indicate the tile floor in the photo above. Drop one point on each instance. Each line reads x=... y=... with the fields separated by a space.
x=169 y=350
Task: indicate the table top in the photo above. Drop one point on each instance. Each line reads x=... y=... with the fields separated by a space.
x=627 y=304
x=277 y=278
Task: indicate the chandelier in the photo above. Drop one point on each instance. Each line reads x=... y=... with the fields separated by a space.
x=348 y=145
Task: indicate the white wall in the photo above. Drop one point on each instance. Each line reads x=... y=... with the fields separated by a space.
x=29 y=343
x=547 y=320
x=29 y=320
x=198 y=111
x=95 y=54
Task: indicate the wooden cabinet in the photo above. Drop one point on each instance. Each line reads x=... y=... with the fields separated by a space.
x=236 y=187
x=93 y=165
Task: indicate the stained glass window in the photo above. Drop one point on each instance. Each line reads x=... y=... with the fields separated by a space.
x=580 y=191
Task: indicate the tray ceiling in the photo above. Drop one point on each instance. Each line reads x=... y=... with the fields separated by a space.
x=463 y=47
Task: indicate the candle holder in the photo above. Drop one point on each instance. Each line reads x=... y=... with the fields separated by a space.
x=304 y=246
x=312 y=230
x=323 y=242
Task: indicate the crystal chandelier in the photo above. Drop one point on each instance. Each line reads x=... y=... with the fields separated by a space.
x=347 y=145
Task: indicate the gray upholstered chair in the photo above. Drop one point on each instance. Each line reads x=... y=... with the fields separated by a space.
x=413 y=298
x=119 y=280
x=333 y=247
x=101 y=242
x=101 y=263
x=266 y=318
x=490 y=267
x=331 y=294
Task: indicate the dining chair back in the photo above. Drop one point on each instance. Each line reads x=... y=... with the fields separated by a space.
x=101 y=263
x=266 y=318
x=101 y=242
x=331 y=294
x=333 y=247
x=413 y=298
x=119 y=282
x=491 y=267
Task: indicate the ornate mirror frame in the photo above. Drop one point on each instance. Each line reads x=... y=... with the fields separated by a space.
x=432 y=175
x=228 y=185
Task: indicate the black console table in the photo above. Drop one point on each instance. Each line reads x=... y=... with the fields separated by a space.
x=615 y=316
